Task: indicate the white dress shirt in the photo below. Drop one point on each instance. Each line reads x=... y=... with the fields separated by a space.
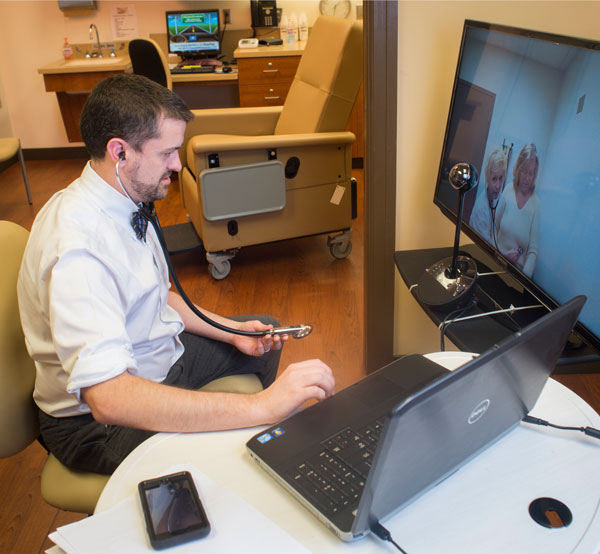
x=93 y=297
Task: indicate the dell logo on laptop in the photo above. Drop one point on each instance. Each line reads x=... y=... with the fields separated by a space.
x=479 y=410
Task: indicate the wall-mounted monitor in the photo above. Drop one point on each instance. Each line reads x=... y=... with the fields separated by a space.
x=194 y=33
x=525 y=111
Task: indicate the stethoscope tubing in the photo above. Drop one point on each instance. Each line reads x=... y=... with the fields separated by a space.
x=148 y=211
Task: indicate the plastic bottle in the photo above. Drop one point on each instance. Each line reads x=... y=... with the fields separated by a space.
x=67 y=50
x=294 y=26
x=283 y=27
x=303 y=27
x=290 y=35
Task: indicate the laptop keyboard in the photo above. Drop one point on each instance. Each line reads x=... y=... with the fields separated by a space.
x=194 y=69
x=334 y=478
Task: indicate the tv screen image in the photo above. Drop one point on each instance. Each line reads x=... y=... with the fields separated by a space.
x=193 y=33
x=525 y=112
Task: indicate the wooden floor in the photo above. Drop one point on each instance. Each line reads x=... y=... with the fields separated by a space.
x=297 y=281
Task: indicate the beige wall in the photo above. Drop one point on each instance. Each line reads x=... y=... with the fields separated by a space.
x=32 y=33
x=429 y=35
x=5 y=126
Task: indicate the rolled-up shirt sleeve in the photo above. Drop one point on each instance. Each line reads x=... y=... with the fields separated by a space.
x=87 y=319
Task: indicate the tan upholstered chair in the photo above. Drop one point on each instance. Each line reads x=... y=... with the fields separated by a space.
x=10 y=147
x=61 y=487
x=257 y=175
x=148 y=59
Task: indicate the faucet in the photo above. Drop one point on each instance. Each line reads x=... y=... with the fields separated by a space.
x=99 y=54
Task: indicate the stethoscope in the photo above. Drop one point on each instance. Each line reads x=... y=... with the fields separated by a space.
x=148 y=211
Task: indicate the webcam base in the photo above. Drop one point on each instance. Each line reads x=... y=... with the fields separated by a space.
x=439 y=291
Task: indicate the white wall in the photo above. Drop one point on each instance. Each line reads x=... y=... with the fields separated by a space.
x=429 y=34
x=32 y=34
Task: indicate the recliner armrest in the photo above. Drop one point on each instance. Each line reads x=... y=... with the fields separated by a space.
x=215 y=143
x=231 y=121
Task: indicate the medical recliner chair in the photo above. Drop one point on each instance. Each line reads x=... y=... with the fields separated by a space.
x=257 y=175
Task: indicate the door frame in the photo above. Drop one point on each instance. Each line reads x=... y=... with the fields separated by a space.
x=381 y=105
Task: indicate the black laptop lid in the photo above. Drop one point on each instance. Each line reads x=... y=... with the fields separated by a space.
x=437 y=430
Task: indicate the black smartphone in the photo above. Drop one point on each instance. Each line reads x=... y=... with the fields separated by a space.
x=172 y=510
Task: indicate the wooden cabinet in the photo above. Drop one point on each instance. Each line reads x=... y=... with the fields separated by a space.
x=265 y=81
x=73 y=80
x=72 y=90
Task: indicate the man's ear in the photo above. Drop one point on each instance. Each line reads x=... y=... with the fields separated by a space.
x=116 y=150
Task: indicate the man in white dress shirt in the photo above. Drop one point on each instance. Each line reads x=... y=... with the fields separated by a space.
x=118 y=355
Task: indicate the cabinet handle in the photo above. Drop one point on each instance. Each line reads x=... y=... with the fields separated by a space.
x=270 y=70
x=271 y=97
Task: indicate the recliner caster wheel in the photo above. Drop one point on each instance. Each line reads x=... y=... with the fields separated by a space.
x=217 y=273
x=340 y=250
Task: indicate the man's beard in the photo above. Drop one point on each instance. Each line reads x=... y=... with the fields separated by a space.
x=148 y=193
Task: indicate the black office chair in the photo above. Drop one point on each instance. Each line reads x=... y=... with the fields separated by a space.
x=148 y=59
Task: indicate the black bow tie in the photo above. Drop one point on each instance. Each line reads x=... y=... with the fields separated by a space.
x=139 y=224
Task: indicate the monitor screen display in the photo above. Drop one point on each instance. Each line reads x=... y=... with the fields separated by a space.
x=193 y=33
x=525 y=112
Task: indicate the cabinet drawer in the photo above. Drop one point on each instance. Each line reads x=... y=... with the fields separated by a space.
x=255 y=71
x=263 y=95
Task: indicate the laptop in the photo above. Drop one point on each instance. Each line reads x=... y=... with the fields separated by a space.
x=363 y=454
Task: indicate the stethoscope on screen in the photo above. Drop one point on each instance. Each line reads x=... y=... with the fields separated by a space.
x=149 y=212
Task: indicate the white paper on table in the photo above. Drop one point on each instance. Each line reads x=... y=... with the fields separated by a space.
x=235 y=526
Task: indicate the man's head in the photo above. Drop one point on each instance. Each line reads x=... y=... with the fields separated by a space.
x=127 y=107
x=135 y=126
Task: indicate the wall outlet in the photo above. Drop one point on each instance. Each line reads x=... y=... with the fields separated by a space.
x=226 y=17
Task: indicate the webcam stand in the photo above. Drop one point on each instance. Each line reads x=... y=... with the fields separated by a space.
x=450 y=283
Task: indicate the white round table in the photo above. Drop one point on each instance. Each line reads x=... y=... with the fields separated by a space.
x=482 y=508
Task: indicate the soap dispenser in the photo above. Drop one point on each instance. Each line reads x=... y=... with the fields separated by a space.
x=67 y=50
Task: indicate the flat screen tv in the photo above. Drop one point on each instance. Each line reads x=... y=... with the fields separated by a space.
x=525 y=111
x=194 y=33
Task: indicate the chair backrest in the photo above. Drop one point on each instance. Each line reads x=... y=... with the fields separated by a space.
x=148 y=59
x=18 y=414
x=9 y=147
x=327 y=80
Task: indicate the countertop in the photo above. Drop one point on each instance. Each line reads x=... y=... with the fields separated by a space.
x=285 y=49
x=86 y=65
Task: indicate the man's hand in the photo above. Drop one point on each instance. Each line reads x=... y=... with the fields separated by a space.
x=257 y=346
x=302 y=381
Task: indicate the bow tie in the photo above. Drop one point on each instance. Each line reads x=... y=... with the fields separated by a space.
x=140 y=225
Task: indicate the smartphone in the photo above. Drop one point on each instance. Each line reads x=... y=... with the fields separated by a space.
x=172 y=510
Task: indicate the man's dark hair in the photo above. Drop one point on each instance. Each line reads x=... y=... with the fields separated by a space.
x=129 y=107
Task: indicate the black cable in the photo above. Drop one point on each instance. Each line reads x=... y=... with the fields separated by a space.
x=446 y=322
x=150 y=214
x=381 y=532
x=589 y=431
